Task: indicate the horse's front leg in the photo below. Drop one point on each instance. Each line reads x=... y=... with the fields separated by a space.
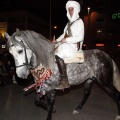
x=87 y=91
x=50 y=102
x=39 y=101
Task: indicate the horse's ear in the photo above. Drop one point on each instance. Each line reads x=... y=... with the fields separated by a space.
x=18 y=32
x=7 y=36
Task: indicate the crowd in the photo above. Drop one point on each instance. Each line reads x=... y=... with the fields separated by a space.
x=7 y=68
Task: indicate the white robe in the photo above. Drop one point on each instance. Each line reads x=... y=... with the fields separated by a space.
x=68 y=49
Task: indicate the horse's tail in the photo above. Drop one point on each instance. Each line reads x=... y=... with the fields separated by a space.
x=116 y=76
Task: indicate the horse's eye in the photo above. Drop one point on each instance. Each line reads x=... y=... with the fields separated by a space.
x=20 y=51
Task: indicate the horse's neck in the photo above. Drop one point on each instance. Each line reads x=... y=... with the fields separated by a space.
x=51 y=62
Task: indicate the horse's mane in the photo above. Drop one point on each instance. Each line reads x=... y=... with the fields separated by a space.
x=41 y=46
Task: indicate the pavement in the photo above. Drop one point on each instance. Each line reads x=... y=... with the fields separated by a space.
x=16 y=105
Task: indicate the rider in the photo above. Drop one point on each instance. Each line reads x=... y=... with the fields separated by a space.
x=73 y=33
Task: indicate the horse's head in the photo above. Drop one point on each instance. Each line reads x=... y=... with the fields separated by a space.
x=21 y=53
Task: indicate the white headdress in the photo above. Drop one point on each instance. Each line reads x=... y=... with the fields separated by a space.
x=76 y=7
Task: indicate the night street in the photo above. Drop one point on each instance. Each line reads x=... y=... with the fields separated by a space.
x=39 y=37
x=15 y=105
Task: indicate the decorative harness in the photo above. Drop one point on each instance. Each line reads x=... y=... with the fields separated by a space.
x=69 y=29
x=79 y=44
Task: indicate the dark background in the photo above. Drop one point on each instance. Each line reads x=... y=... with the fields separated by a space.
x=49 y=10
x=54 y=11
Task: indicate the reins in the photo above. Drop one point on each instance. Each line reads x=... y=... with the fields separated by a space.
x=59 y=43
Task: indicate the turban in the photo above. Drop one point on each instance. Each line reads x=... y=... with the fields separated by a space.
x=73 y=4
x=76 y=7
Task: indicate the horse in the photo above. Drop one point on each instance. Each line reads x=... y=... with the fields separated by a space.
x=30 y=50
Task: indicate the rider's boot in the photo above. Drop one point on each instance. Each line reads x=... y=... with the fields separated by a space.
x=63 y=74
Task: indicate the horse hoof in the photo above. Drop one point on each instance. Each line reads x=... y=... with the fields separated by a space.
x=75 y=112
x=117 y=117
x=54 y=109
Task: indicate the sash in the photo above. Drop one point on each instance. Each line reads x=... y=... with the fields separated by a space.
x=69 y=29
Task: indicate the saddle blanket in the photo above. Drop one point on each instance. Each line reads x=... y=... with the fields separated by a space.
x=77 y=58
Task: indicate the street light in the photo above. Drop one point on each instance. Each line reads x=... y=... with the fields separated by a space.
x=88 y=25
x=55 y=27
x=88 y=10
x=50 y=19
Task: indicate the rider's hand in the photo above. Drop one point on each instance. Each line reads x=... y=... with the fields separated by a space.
x=63 y=40
x=54 y=41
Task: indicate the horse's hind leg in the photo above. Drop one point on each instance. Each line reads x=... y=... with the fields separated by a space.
x=116 y=96
x=87 y=91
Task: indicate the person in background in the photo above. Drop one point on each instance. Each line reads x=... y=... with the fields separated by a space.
x=11 y=72
x=73 y=33
x=3 y=74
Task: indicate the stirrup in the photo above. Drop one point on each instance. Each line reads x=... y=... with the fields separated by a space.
x=62 y=86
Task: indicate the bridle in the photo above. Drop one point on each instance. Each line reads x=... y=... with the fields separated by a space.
x=29 y=66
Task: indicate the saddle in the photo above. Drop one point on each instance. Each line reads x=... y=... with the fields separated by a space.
x=77 y=58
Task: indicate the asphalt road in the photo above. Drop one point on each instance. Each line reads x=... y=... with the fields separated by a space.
x=15 y=105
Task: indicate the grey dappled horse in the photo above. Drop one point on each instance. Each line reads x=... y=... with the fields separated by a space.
x=29 y=49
